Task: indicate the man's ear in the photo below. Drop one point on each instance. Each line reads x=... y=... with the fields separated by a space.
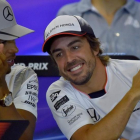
x=96 y=52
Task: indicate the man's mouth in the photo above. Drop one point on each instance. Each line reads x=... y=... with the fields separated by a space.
x=75 y=68
x=10 y=62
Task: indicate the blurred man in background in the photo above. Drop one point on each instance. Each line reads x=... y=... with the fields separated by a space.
x=115 y=22
x=18 y=84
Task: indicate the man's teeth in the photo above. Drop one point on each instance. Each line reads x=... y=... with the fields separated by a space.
x=76 y=68
x=9 y=61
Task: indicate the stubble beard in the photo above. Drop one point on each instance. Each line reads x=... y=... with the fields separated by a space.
x=81 y=80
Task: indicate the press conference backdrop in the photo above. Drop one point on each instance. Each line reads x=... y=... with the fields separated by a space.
x=36 y=14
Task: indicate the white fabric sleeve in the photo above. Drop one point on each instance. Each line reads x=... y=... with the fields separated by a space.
x=27 y=95
x=68 y=112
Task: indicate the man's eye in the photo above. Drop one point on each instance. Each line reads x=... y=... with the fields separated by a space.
x=3 y=42
x=75 y=47
x=59 y=54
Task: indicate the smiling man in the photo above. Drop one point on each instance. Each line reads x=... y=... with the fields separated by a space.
x=96 y=97
x=18 y=98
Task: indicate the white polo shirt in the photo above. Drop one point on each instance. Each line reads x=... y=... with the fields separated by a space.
x=73 y=109
x=23 y=84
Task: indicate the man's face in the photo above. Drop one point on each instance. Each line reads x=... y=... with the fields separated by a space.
x=9 y=50
x=74 y=58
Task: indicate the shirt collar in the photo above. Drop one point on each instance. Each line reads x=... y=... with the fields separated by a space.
x=85 y=5
x=131 y=6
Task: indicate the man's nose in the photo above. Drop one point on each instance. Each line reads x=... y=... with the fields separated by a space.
x=69 y=57
x=13 y=49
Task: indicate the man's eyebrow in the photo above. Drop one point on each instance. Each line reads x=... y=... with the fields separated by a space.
x=71 y=43
x=75 y=41
x=56 y=50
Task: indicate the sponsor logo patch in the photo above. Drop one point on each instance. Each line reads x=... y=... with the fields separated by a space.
x=31 y=93
x=35 y=81
x=93 y=114
x=30 y=103
x=75 y=118
x=54 y=95
x=32 y=98
x=57 y=27
x=68 y=110
x=7 y=13
x=61 y=102
x=29 y=86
